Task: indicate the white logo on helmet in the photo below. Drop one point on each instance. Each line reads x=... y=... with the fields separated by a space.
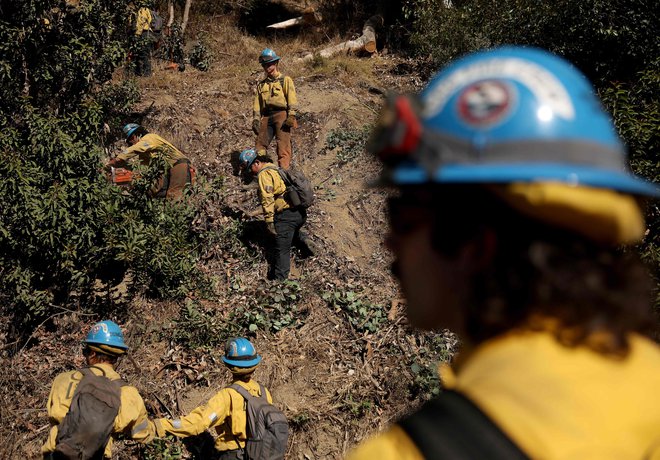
x=546 y=88
x=485 y=102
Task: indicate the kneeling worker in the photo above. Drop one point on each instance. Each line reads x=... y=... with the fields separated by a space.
x=147 y=146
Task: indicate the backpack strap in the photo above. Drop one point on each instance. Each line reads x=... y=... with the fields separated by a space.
x=242 y=391
x=262 y=392
x=453 y=427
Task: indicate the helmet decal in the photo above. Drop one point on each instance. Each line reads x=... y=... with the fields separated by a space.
x=546 y=87
x=486 y=102
x=100 y=327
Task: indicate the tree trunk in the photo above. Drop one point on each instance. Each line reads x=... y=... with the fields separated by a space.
x=186 y=12
x=366 y=42
x=170 y=10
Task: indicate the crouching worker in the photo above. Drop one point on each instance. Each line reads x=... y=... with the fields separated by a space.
x=147 y=146
x=513 y=203
x=89 y=407
x=283 y=220
x=242 y=413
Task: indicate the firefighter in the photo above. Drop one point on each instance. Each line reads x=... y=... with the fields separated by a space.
x=513 y=203
x=143 y=41
x=147 y=146
x=103 y=346
x=283 y=221
x=274 y=109
x=225 y=411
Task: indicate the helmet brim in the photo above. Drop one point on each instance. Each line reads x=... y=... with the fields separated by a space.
x=506 y=173
x=242 y=362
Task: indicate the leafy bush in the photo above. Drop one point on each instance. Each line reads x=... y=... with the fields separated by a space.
x=361 y=314
x=200 y=56
x=274 y=309
x=349 y=143
x=63 y=228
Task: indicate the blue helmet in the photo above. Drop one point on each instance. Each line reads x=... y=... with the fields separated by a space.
x=106 y=337
x=246 y=158
x=267 y=56
x=129 y=129
x=239 y=352
x=510 y=114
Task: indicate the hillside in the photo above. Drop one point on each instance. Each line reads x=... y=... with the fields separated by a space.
x=338 y=356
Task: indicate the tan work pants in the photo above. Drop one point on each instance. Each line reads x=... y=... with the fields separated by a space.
x=271 y=126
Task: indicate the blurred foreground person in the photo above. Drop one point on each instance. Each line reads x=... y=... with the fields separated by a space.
x=512 y=206
x=89 y=407
x=246 y=422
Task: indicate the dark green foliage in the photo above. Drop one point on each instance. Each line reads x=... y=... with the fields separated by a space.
x=361 y=314
x=65 y=233
x=200 y=56
x=606 y=39
x=348 y=143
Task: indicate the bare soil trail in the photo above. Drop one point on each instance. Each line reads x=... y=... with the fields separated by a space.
x=340 y=372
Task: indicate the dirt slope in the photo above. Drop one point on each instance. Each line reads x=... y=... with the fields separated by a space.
x=337 y=378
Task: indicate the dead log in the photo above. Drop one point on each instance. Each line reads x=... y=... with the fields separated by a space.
x=366 y=42
x=309 y=16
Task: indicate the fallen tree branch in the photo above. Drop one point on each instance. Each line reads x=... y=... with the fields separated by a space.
x=366 y=42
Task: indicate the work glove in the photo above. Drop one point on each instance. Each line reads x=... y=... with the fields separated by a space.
x=255 y=126
x=270 y=226
x=290 y=121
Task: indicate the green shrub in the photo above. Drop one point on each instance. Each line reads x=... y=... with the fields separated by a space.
x=63 y=228
x=361 y=314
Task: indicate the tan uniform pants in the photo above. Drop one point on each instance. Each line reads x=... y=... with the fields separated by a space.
x=271 y=126
x=171 y=185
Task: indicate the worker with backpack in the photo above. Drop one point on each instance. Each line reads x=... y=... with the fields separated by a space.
x=88 y=407
x=247 y=424
x=285 y=196
x=513 y=205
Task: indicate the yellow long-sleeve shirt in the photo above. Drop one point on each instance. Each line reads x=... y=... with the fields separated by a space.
x=276 y=93
x=131 y=421
x=143 y=21
x=555 y=402
x=271 y=192
x=225 y=412
x=148 y=147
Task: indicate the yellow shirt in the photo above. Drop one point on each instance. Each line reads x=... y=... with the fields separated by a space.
x=143 y=21
x=271 y=192
x=275 y=94
x=555 y=402
x=225 y=412
x=132 y=419
x=150 y=146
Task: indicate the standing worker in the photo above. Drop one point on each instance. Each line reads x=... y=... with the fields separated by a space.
x=147 y=146
x=283 y=221
x=102 y=347
x=274 y=111
x=513 y=205
x=143 y=42
x=227 y=411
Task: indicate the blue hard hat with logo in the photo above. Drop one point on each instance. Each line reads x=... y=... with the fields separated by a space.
x=246 y=158
x=267 y=56
x=129 y=129
x=510 y=114
x=106 y=337
x=239 y=352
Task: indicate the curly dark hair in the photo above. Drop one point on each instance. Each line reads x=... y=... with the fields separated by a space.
x=593 y=295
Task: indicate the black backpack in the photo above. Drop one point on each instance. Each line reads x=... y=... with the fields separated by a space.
x=86 y=428
x=453 y=427
x=156 y=24
x=299 y=190
x=267 y=429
